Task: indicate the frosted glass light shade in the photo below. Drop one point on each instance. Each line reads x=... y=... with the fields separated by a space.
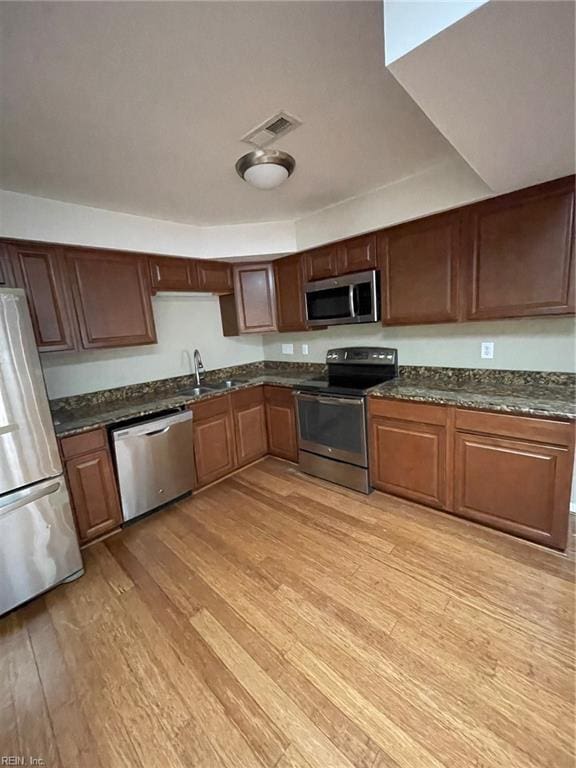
x=266 y=175
x=265 y=168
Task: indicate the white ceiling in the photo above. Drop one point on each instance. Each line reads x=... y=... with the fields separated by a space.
x=139 y=107
x=500 y=86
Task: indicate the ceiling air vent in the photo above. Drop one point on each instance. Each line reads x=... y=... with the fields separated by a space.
x=270 y=130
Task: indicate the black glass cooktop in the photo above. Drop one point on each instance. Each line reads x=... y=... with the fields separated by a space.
x=353 y=385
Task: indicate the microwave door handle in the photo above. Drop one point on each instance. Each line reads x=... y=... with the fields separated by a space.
x=351 y=300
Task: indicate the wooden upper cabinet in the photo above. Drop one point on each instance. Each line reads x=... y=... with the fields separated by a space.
x=322 y=262
x=420 y=271
x=169 y=273
x=255 y=298
x=214 y=276
x=521 y=253
x=514 y=473
x=112 y=298
x=7 y=279
x=40 y=270
x=358 y=254
x=290 y=293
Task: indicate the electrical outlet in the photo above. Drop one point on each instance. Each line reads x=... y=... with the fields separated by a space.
x=487 y=350
x=287 y=349
x=305 y=349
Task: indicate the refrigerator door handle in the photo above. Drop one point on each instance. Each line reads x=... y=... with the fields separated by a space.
x=22 y=499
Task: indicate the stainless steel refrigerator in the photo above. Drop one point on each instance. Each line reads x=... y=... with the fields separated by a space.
x=38 y=542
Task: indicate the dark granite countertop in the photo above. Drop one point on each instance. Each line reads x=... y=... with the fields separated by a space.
x=523 y=399
x=525 y=393
x=90 y=413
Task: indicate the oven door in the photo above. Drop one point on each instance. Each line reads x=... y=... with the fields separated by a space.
x=332 y=426
x=343 y=300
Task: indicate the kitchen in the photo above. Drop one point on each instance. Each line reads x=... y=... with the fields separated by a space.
x=220 y=441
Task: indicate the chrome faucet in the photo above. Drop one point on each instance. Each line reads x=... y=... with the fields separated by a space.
x=198 y=366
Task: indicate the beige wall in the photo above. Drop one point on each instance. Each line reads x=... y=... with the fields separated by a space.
x=36 y=218
x=183 y=322
x=448 y=184
x=528 y=344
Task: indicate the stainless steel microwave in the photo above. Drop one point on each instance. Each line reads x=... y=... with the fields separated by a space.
x=342 y=300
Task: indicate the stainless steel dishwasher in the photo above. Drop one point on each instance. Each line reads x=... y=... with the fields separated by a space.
x=155 y=462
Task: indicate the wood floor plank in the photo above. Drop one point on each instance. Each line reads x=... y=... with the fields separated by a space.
x=72 y=730
x=309 y=740
x=350 y=740
x=188 y=660
x=277 y=621
x=35 y=735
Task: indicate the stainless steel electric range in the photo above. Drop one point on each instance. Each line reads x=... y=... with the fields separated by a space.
x=332 y=433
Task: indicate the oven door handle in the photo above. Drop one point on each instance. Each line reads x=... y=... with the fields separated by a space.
x=330 y=400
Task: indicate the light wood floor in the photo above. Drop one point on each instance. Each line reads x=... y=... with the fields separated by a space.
x=274 y=620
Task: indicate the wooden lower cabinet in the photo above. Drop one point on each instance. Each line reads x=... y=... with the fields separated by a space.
x=409 y=450
x=249 y=411
x=281 y=422
x=92 y=484
x=514 y=473
x=214 y=445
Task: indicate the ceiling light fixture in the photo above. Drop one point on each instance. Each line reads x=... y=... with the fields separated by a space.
x=265 y=168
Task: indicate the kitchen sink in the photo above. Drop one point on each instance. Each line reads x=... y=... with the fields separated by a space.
x=228 y=384
x=195 y=391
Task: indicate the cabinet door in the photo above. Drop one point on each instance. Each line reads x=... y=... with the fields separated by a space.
x=322 y=262
x=6 y=271
x=520 y=253
x=112 y=298
x=94 y=494
x=420 y=271
x=40 y=270
x=214 y=449
x=290 y=299
x=358 y=254
x=281 y=421
x=290 y=294
x=255 y=298
x=214 y=276
x=408 y=451
x=517 y=486
x=249 y=412
x=172 y=274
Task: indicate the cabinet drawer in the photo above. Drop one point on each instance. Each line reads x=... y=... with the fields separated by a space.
x=408 y=411
x=208 y=408
x=523 y=427
x=246 y=397
x=279 y=395
x=76 y=445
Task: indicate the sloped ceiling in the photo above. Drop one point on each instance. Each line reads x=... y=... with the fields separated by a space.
x=499 y=84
